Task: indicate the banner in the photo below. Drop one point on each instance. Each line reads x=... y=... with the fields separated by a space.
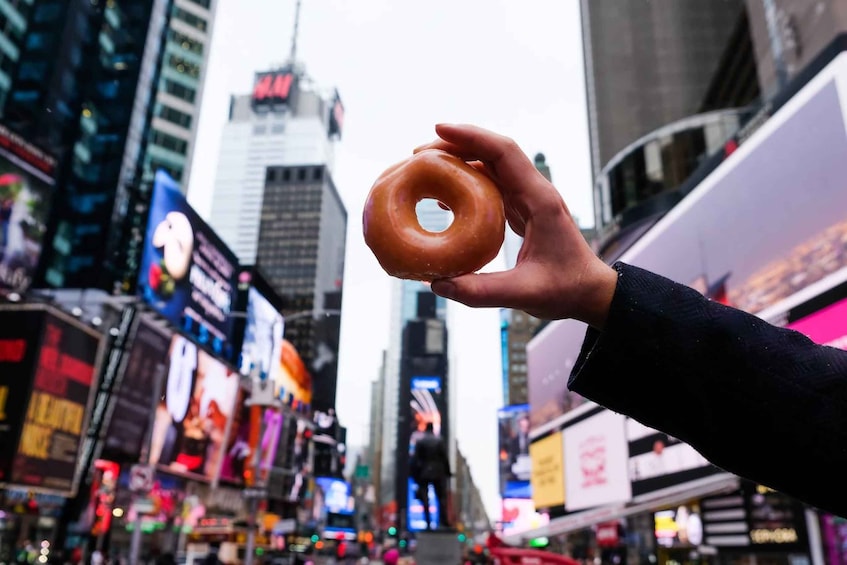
x=515 y=461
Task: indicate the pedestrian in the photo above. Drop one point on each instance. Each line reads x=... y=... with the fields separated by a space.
x=754 y=395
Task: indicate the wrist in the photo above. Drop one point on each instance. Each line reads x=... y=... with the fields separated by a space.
x=599 y=284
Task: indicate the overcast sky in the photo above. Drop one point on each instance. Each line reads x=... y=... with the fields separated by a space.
x=401 y=67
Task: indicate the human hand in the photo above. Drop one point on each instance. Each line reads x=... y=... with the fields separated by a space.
x=557 y=274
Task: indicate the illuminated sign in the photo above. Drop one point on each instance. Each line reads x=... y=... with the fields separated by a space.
x=548 y=472
x=336 y=116
x=45 y=397
x=187 y=273
x=272 y=88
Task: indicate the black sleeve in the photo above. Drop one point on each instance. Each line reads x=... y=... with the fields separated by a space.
x=763 y=402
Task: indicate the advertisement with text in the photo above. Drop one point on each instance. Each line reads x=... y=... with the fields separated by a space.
x=187 y=273
x=52 y=416
x=548 y=471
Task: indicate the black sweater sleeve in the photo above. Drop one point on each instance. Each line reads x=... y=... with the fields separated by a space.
x=763 y=402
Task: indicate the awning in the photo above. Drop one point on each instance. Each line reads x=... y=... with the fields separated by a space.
x=716 y=484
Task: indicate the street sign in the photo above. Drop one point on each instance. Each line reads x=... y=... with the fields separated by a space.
x=141 y=478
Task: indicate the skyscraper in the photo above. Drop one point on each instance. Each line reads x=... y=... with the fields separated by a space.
x=303 y=232
x=285 y=121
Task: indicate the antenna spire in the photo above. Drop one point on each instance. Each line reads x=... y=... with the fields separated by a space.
x=293 y=56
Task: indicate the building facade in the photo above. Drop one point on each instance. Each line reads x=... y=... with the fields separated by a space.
x=285 y=121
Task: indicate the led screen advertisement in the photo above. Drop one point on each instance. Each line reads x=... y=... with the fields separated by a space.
x=428 y=405
x=596 y=454
x=143 y=375
x=518 y=515
x=191 y=420
x=515 y=461
x=336 y=494
x=658 y=461
x=47 y=370
x=548 y=473
x=260 y=352
x=187 y=273
x=27 y=178
x=767 y=223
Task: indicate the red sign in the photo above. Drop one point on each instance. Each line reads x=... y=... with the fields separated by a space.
x=272 y=87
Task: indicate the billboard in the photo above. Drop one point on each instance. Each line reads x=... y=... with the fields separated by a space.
x=658 y=461
x=518 y=515
x=336 y=495
x=428 y=404
x=292 y=381
x=548 y=473
x=191 y=419
x=827 y=326
x=27 y=178
x=515 y=462
x=47 y=373
x=336 y=116
x=187 y=273
x=143 y=375
x=272 y=88
x=262 y=344
x=596 y=462
x=767 y=224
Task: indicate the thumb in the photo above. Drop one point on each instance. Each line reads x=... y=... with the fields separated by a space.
x=483 y=290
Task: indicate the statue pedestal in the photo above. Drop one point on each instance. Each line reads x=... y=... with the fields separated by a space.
x=438 y=547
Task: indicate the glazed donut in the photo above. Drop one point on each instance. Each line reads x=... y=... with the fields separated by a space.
x=403 y=248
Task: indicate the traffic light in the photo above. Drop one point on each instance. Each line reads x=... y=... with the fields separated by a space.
x=462 y=538
x=315 y=538
x=392 y=531
x=402 y=543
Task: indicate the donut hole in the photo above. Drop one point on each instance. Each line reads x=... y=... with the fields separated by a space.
x=433 y=215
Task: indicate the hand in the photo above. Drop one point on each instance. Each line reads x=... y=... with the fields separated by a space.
x=557 y=274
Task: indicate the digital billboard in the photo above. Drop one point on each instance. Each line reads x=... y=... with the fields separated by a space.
x=260 y=352
x=143 y=375
x=336 y=116
x=658 y=461
x=191 y=419
x=765 y=225
x=514 y=459
x=548 y=471
x=272 y=88
x=292 y=380
x=518 y=515
x=27 y=178
x=336 y=494
x=47 y=374
x=596 y=453
x=427 y=404
x=187 y=273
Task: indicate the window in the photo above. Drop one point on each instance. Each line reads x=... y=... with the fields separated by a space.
x=184 y=66
x=169 y=142
x=180 y=91
x=205 y=3
x=174 y=116
x=190 y=19
x=185 y=42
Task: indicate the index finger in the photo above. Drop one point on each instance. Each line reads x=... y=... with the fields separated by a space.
x=501 y=155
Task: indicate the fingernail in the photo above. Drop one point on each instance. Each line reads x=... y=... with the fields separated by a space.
x=444 y=288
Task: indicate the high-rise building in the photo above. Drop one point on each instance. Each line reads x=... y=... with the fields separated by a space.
x=94 y=84
x=179 y=90
x=303 y=229
x=285 y=121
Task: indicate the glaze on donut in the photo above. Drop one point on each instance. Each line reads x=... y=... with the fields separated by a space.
x=403 y=248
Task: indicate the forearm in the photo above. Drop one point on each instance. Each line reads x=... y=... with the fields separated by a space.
x=755 y=399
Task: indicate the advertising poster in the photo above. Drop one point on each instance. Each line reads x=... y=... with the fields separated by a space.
x=827 y=326
x=658 y=461
x=548 y=471
x=336 y=495
x=262 y=346
x=238 y=451
x=596 y=462
x=58 y=408
x=187 y=273
x=427 y=405
x=515 y=461
x=20 y=332
x=769 y=222
x=26 y=191
x=191 y=420
x=518 y=515
x=292 y=380
x=144 y=374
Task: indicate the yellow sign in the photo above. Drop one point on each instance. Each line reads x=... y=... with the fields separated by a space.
x=548 y=472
